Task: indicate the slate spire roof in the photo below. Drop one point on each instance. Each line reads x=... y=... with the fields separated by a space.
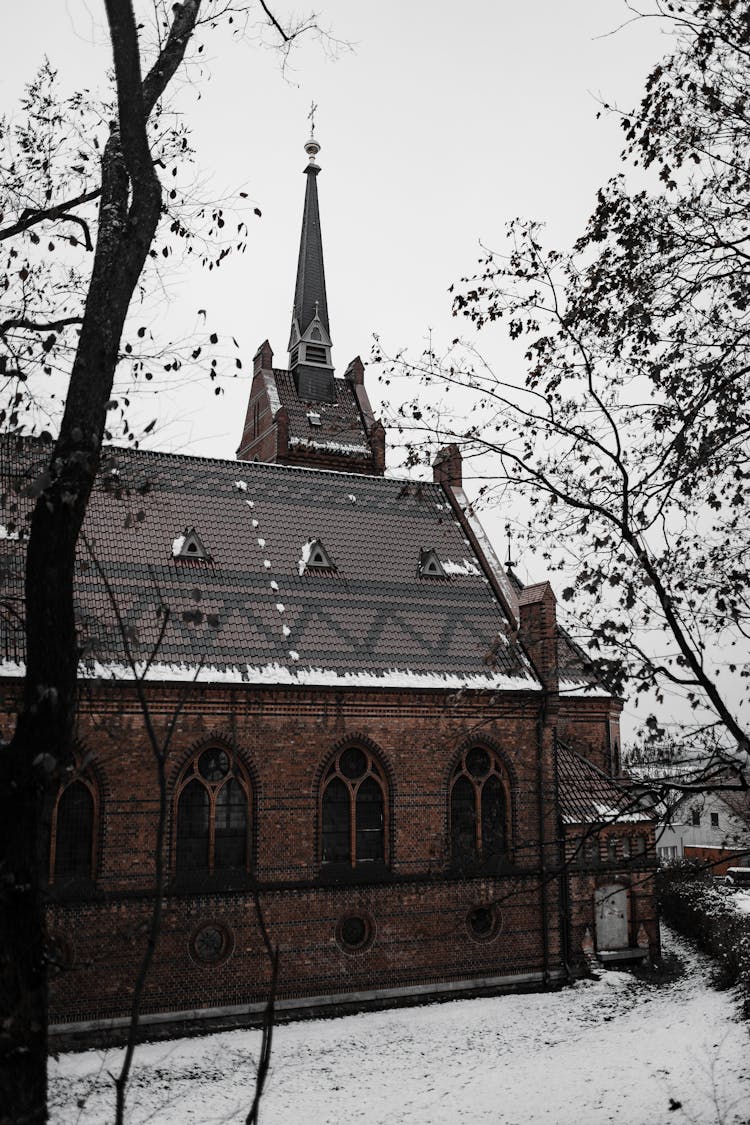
x=310 y=290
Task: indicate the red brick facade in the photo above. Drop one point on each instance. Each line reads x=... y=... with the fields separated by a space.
x=417 y=907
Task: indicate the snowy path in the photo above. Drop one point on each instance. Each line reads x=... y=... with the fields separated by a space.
x=604 y=1051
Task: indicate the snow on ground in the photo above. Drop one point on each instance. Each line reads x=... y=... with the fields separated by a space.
x=613 y=1050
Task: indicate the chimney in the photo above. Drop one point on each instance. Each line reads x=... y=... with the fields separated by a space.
x=263 y=358
x=282 y=433
x=377 y=445
x=537 y=611
x=355 y=372
x=446 y=468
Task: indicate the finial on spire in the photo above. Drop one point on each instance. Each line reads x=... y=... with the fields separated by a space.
x=509 y=562
x=312 y=148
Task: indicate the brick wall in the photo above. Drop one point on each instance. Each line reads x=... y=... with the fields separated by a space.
x=417 y=909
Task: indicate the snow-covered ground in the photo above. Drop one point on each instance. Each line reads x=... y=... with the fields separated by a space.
x=615 y=1050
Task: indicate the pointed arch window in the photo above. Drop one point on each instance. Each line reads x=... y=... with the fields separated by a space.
x=479 y=810
x=353 y=810
x=73 y=831
x=212 y=815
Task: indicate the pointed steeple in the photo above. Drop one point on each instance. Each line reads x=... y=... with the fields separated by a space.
x=310 y=337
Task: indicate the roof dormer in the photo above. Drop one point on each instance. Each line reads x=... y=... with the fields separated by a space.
x=430 y=565
x=315 y=557
x=189 y=545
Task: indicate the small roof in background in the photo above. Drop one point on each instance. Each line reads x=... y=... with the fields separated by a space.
x=589 y=796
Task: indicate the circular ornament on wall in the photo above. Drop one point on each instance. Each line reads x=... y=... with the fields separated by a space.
x=483 y=922
x=211 y=943
x=355 y=933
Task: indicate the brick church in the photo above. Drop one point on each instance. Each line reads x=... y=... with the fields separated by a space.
x=378 y=741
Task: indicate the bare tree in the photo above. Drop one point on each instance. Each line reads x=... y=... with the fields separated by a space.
x=130 y=205
x=626 y=431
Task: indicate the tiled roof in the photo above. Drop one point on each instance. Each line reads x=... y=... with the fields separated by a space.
x=589 y=796
x=574 y=668
x=340 y=422
x=252 y=606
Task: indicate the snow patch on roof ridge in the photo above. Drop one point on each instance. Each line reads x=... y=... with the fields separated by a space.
x=275 y=673
x=272 y=391
x=330 y=446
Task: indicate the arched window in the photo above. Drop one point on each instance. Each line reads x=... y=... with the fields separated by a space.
x=212 y=803
x=478 y=809
x=72 y=853
x=353 y=809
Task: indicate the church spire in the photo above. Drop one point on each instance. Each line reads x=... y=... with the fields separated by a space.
x=310 y=338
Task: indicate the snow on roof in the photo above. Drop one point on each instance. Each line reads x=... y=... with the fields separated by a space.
x=589 y=796
x=280 y=674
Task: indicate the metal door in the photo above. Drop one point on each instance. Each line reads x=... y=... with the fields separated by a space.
x=611 y=911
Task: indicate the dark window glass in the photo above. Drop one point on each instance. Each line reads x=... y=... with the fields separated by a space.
x=714 y=820
x=463 y=820
x=213 y=765
x=353 y=763
x=493 y=818
x=478 y=810
x=192 y=828
x=482 y=921
x=75 y=832
x=354 y=931
x=370 y=821
x=336 y=822
x=230 y=840
x=353 y=811
x=478 y=762
x=695 y=817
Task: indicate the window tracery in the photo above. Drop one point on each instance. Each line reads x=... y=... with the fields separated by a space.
x=353 y=809
x=212 y=814
x=479 y=820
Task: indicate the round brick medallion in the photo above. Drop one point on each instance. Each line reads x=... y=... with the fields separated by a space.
x=355 y=932
x=211 y=943
x=483 y=922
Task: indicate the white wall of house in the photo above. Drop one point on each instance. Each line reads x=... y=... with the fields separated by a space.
x=701 y=821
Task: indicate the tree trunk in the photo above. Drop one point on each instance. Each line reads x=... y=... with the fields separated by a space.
x=30 y=769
